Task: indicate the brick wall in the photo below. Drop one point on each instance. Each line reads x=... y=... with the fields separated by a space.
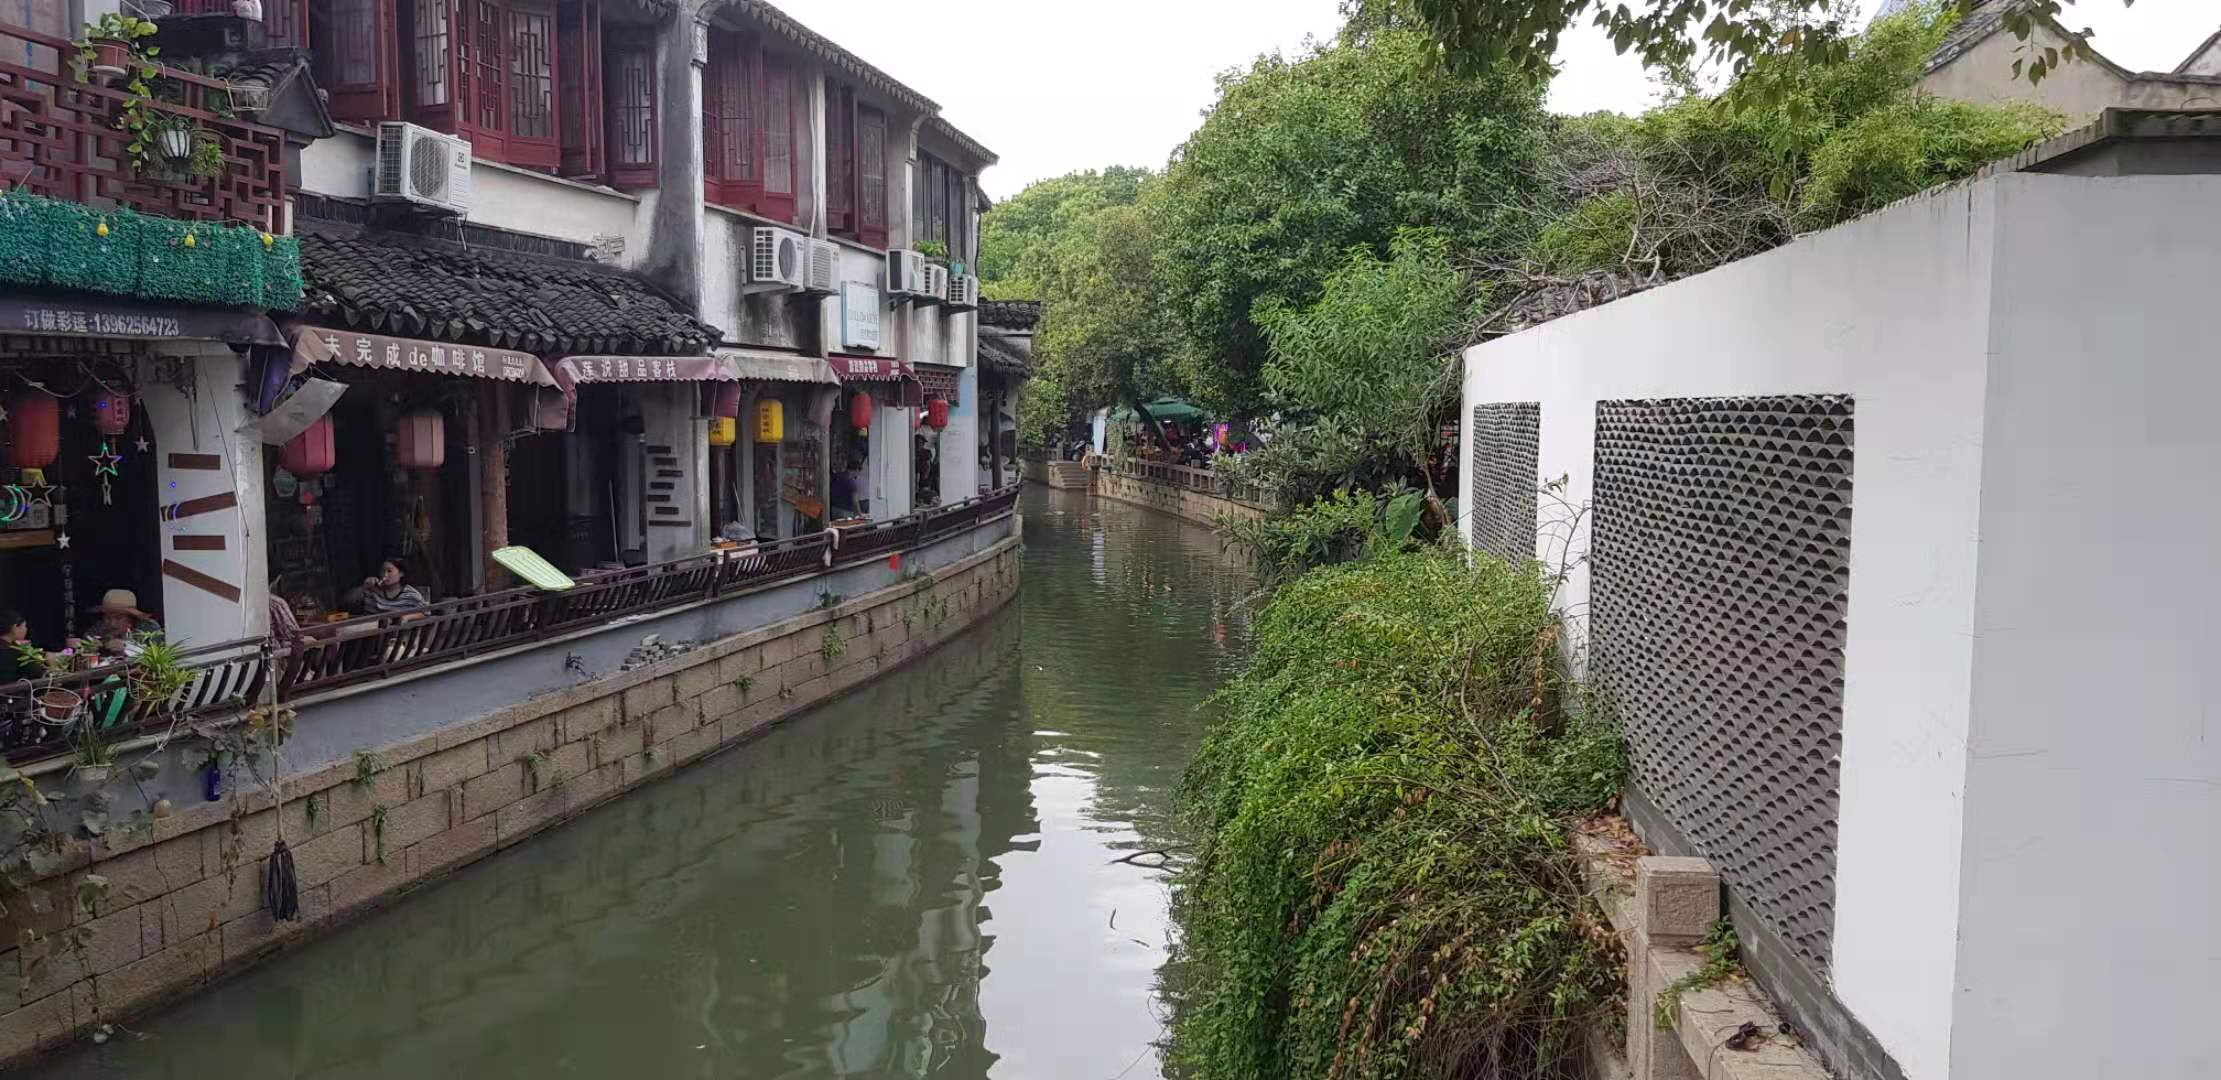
x=184 y=904
x=1195 y=506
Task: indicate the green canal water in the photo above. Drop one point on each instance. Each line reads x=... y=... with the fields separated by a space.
x=917 y=880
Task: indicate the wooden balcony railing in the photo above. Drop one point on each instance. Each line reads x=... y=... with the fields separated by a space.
x=331 y=656
x=58 y=138
x=284 y=22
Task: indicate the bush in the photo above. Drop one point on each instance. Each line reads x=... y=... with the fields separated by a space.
x=1911 y=146
x=1330 y=530
x=1383 y=885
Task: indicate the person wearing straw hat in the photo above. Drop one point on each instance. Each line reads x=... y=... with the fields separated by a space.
x=121 y=623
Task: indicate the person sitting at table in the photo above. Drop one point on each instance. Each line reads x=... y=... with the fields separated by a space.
x=387 y=592
x=15 y=632
x=848 y=484
x=122 y=626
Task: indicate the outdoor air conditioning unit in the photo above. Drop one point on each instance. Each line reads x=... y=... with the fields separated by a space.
x=779 y=257
x=421 y=167
x=825 y=268
x=906 y=273
x=936 y=282
x=963 y=292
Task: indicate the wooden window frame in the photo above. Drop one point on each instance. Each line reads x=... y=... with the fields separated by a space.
x=737 y=126
x=360 y=101
x=473 y=65
x=631 y=52
x=581 y=121
x=840 y=161
x=871 y=176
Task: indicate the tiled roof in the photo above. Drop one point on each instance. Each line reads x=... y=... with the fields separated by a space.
x=1012 y=314
x=1002 y=357
x=414 y=287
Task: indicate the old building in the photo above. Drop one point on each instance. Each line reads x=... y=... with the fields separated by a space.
x=1977 y=63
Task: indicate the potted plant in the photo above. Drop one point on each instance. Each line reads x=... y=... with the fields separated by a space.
x=932 y=249
x=110 y=49
x=57 y=705
x=206 y=159
x=155 y=674
x=96 y=755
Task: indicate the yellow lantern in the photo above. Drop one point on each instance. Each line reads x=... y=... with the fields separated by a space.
x=771 y=422
x=723 y=430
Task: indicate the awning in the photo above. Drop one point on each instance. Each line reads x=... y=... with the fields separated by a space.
x=76 y=317
x=868 y=368
x=601 y=369
x=1169 y=410
x=939 y=381
x=321 y=345
x=777 y=366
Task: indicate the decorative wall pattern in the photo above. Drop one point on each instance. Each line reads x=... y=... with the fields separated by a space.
x=1507 y=442
x=1720 y=573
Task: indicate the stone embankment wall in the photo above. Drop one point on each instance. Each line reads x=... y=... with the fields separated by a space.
x=1195 y=506
x=184 y=903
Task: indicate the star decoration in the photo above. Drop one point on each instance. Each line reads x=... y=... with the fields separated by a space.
x=73 y=412
x=104 y=467
x=41 y=494
x=62 y=541
x=143 y=444
x=3 y=412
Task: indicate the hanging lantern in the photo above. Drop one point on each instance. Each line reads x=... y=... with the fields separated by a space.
x=859 y=411
x=771 y=421
x=723 y=431
x=551 y=409
x=311 y=453
x=35 y=428
x=937 y=413
x=111 y=413
x=420 y=441
x=728 y=401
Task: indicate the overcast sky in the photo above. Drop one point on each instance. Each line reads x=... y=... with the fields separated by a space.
x=1058 y=85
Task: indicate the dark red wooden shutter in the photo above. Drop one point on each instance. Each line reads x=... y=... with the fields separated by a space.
x=777 y=124
x=356 y=60
x=437 y=78
x=532 y=71
x=840 y=161
x=631 y=93
x=578 y=51
x=871 y=177
x=728 y=122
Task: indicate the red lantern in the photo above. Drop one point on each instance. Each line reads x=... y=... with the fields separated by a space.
x=311 y=453
x=35 y=427
x=420 y=441
x=859 y=411
x=728 y=402
x=111 y=412
x=937 y=413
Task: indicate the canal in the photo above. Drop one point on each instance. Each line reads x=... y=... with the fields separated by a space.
x=921 y=879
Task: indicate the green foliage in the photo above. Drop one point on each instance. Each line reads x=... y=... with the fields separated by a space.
x=1376 y=349
x=1597 y=234
x=1103 y=337
x=1025 y=239
x=367 y=765
x=1303 y=159
x=52 y=243
x=1673 y=35
x=378 y=831
x=1332 y=529
x=831 y=645
x=1383 y=885
x=1911 y=146
x=931 y=249
x=1723 y=960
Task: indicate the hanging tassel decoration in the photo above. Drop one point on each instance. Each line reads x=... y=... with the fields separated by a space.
x=281 y=889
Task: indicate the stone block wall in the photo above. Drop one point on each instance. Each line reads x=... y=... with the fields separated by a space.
x=1195 y=506
x=183 y=904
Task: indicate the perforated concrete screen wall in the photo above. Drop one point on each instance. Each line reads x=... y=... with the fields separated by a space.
x=1720 y=568
x=1507 y=442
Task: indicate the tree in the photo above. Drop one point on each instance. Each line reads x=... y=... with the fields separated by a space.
x=1672 y=35
x=1103 y=337
x=1301 y=160
x=1017 y=238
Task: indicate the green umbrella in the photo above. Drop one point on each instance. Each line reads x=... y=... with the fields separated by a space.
x=1169 y=410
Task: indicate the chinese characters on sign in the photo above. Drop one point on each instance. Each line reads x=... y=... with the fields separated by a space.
x=39 y=320
x=430 y=357
x=859 y=316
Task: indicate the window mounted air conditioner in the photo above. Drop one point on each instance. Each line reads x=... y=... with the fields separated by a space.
x=422 y=168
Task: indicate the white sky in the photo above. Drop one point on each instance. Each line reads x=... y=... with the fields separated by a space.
x=1058 y=85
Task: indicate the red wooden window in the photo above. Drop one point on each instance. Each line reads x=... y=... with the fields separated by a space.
x=357 y=63
x=871 y=177
x=631 y=90
x=579 y=112
x=749 y=102
x=840 y=161
x=486 y=69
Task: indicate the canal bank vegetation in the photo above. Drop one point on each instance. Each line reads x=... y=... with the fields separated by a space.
x=1383 y=885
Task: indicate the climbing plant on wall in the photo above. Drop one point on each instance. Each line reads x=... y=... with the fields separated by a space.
x=49 y=242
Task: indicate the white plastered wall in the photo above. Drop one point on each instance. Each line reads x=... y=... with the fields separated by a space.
x=211 y=420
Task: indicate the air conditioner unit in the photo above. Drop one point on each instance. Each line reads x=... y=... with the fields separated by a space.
x=825 y=268
x=778 y=257
x=936 y=282
x=421 y=167
x=905 y=273
x=963 y=292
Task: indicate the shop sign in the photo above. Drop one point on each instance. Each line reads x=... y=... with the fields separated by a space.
x=428 y=357
x=867 y=368
x=859 y=315
x=117 y=320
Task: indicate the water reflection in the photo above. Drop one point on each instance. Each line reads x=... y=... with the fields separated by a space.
x=915 y=881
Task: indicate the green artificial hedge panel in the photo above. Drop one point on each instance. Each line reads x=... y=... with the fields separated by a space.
x=49 y=242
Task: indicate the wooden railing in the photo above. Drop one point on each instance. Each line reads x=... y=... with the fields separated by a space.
x=331 y=656
x=1189 y=478
x=58 y=138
